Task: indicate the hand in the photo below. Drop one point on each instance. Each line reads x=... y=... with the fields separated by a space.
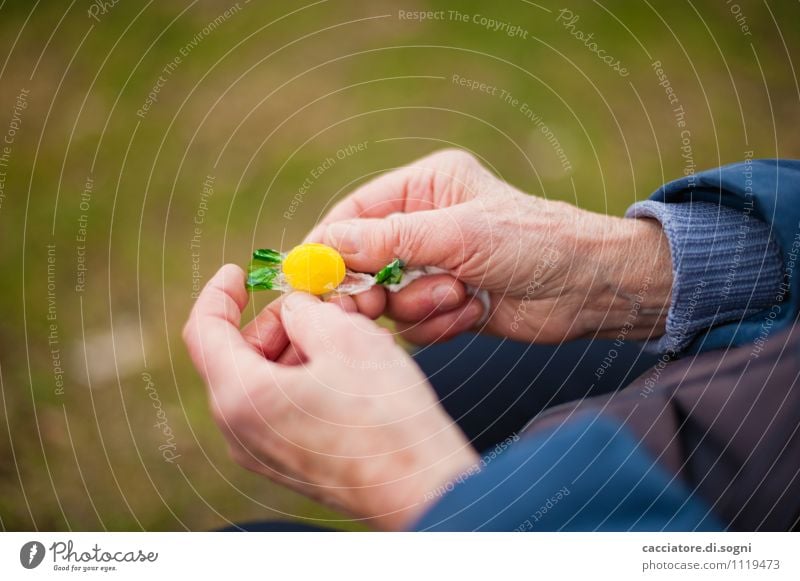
x=554 y=272
x=323 y=401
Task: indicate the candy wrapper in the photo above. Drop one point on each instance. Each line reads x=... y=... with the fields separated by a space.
x=320 y=270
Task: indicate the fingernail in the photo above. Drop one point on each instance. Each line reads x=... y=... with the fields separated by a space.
x=445 y=296
x=344 y=236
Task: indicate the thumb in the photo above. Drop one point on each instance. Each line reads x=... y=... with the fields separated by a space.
x=320 y=329
x=425 y=238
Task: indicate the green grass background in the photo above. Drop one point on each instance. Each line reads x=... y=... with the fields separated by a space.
x=263 y=99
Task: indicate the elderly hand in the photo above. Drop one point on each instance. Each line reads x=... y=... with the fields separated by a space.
x=553 y=271
x=323 y=401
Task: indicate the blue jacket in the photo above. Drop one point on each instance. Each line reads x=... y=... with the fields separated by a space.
x=661 y=454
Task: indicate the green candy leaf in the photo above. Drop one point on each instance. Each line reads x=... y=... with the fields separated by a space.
x=392 y=273
x=268 y=256
x=260 y=278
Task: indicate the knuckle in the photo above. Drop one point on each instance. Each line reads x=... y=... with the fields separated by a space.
x=454 y=156
x=460 y=175
x=385 y=239
x=404 y=237
x=447 y=173
x=459 y=157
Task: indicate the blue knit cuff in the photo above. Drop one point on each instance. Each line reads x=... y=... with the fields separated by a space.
x=725 y=267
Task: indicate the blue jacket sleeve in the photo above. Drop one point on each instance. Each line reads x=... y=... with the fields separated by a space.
x=585 y=475
x=766 y=189
x=725 y=267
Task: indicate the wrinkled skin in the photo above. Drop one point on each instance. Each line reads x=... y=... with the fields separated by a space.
x=316 y=396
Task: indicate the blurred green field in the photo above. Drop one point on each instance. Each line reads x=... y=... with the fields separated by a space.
x=114 y=206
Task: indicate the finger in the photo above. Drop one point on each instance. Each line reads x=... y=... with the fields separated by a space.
x=312 y=326
x=291 y=356
x=344 y=302
x=429 y=238
x=381 y=196
x=371 y=303
x=377 y=198
x=318 y=329
x=426 y=296
x=212 y=334
x=265 y=332
x=443 y=327
x=411 y=188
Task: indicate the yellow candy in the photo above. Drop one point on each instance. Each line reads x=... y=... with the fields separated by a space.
x=314 y=268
